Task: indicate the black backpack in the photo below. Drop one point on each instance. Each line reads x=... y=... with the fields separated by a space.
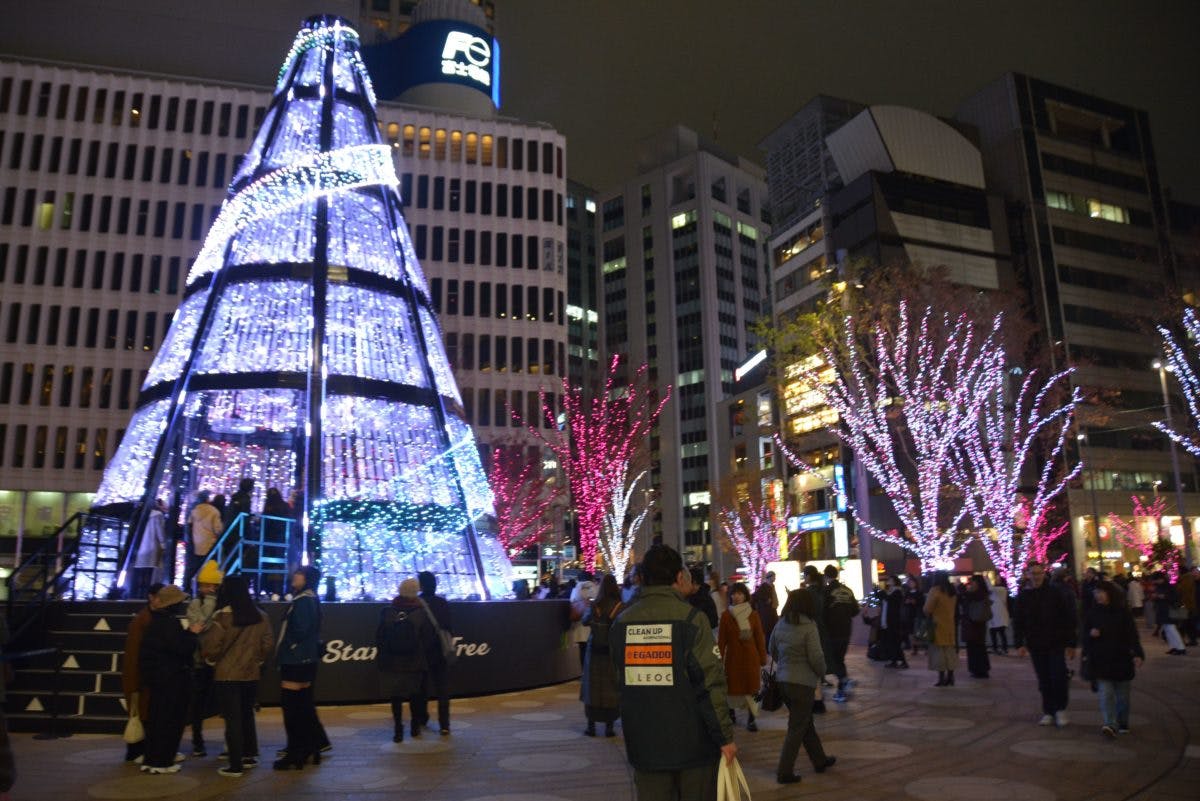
x=400 y=637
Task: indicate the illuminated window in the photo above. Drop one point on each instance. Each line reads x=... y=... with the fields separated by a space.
x=410 y=134
x=46 y=216
x=799 y=243
x=424 y=148
x=472 y=148
x=456 y=139
x=487 y=150
x=1107 y=211
x=680 y=220
x=1087 y=206
x=393 y=132
x=439 y=144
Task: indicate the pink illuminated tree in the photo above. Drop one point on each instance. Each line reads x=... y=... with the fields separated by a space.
x=994 y=456
x=524 y=499
x=905 y=399
x=1041 y=538
x=1152 y=547
x=601 y=439
x=621 y=523
x=752 y=531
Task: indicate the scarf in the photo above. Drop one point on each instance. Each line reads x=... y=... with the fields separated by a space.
x=741 y=614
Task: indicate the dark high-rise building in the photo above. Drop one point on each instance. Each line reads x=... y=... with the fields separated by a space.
x=1091 y=243
x=583 y=289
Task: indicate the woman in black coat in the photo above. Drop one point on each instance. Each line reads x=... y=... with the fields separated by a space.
x=165 y=663
x=891 y=625
x=600 y=691
x=976 y=611
x=1112 y=652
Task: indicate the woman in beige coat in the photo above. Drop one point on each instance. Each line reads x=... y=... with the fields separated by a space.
x=940 y=606
x=237 y=644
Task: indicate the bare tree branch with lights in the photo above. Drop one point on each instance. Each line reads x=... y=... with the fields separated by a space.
x=993 y=456
x=621 y=523
x=1180 y=358
x=905 y=400
x=1156 y=550
x=524 y=500
x=752 y=531
x=602 y=436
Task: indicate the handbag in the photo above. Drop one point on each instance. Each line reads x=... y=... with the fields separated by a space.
x=769 y=696
x=134 y=731
x=445 y=638
x=1177 y=613
x=731 y=782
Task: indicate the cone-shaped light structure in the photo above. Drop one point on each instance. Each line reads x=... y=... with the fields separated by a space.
x=306 y=354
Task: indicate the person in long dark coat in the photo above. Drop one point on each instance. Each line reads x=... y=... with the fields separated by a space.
x=600 y=691
x=165 y=665
x=976 y=612
x=1113 y=652
x=406 y=640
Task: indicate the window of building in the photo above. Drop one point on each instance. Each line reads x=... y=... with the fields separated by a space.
x=439 y=144
x=472 y=147
x=456 y=142
x=86 y=385
x=81 y=448
x=66 y=385
x=47 y=389
x=20 y=432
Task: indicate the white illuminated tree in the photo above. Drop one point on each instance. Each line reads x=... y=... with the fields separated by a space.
x=752 y=531
x=905 y=399
x=1180 y=358
x=996 y=453
x=621 y=524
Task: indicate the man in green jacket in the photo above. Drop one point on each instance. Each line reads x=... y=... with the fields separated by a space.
x=673 y=707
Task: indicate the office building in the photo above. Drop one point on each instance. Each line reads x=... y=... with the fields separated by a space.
x=1091 y=242
x=909 y=188
x=583 y=289
x=682 y=254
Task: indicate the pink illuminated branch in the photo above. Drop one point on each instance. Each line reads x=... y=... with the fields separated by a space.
x=523 y=498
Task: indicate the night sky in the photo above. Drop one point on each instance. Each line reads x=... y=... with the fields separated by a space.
x=608 y=74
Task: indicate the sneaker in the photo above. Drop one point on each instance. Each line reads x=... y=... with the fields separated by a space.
x=224 y=755
x=1061 y=719
x=198 y=752
x=1046 y=720
x=160 y=771
x=250 y=762
x=230 y=773
x=840 y=698
x=325 y=749
x=1108 y=731
x=179 y=758
x=139 y=760
x=445 y=732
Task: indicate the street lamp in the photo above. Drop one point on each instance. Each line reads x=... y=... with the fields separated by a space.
x=1081 y=438
x=1163 y=368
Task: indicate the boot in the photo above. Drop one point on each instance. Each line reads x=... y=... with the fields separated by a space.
x=941 y=682
x=950 y=678
x=751 y=726
x=732 y=716
x=397 y=721
x=609 y=730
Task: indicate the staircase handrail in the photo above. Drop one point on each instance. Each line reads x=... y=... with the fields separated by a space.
x=57 y=550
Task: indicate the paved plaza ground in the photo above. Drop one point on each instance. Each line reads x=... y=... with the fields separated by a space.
x=898 y=738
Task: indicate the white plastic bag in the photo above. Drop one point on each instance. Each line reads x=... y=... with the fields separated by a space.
x=731 y=782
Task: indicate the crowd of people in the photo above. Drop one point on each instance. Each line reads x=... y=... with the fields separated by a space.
x=672 y=649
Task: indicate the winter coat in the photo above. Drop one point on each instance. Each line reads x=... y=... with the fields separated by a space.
x=131 y=672
x=581 y=597
x=766 y=603
x=1044 y=618
x=300 y=637
x=743 y=659
x=237 y=652
x=206 y=528
x=419 y=659
x=685 y=698
x=201 y=610
x=599 y=688
x=1000 y=617
x=1111 y=654
x=796 y=649
x=439 y=607
x=1136 y=594
x=1187 y=592
x=939 y=608
x=150 y=547
x=975 y=631
x=167 y=652
x=893 y=609
x=841 y=607
x=702 y=600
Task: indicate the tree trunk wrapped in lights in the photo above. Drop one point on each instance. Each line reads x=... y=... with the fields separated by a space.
x=992 y=458
x=752 y=531
x=905 y=400
x=600 y=439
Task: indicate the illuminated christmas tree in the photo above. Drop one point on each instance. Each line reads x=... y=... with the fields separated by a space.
x=306 y=353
